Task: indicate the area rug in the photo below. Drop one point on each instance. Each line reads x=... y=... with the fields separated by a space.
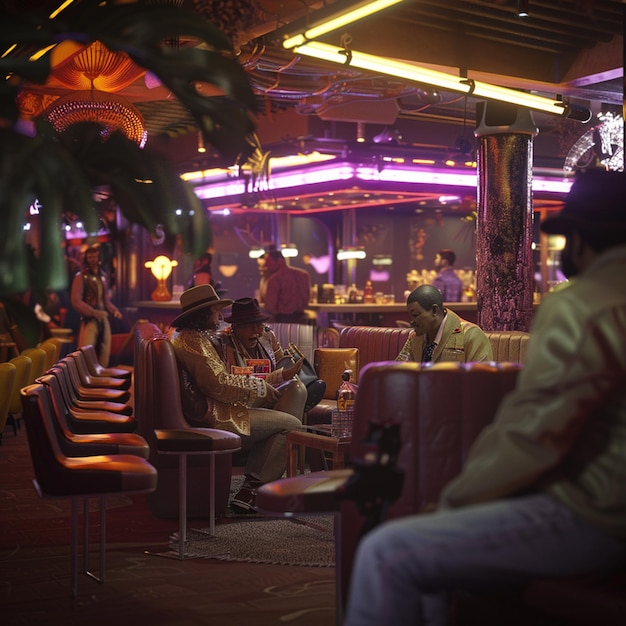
x=307 y=541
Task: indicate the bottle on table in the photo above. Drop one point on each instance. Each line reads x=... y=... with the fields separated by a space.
x=346 y=394
x=368 y=292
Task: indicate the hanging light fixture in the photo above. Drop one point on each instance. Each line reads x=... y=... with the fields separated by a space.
x=522 y=8
x=350 y=253
x=442 y=80
x=111 y=111
x=289 y=250
x=341 y=19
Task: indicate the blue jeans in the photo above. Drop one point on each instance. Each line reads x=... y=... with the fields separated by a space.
x=404 y=568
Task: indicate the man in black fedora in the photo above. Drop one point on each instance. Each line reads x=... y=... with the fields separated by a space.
x=542 y=492
x=249 y=339
x=215 y=398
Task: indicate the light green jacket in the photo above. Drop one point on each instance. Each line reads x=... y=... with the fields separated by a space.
x=563 y=429
x=461 y=341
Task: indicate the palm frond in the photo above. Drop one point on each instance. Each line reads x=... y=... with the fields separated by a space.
x=61 y=171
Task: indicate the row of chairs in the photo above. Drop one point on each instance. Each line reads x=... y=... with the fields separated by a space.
x=21 y=370
x=83 y=443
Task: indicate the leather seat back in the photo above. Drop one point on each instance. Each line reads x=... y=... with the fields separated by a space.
x=440 y=409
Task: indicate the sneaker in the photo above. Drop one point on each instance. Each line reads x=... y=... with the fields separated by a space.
x=245 y=500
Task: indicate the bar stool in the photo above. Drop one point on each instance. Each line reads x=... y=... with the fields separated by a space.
x=186 y=441
x=78 y=478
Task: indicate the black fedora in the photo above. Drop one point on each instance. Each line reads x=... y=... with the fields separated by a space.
x=246 y=311
x=596 y=201
x=197 y=298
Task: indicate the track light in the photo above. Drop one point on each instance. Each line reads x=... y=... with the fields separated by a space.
x=449 y=82
x=522 y=8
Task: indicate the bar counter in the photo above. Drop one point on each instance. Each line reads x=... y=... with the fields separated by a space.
x=163 y=313
x=378 y=314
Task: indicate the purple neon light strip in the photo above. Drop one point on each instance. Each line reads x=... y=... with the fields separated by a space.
x=388 y=174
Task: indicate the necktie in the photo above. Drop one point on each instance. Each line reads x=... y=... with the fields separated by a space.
x=427 y=352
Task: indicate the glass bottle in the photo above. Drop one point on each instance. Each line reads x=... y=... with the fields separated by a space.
x=346 y=394
x=368 y=292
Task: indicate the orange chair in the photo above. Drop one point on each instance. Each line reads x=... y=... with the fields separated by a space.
x=90 y=380
x=23 y=366
x=8 y=373
x=102 y=442
x=78 y=478
x=95 y=369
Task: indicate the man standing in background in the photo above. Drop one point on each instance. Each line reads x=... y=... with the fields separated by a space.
x=447 y=281
x=288 y=290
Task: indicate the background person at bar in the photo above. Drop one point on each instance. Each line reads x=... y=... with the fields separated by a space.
x=288 y=290
x=447 y=281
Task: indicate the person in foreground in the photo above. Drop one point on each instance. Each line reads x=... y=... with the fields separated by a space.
x=440 y=334
x=213 y=398
x=542 y=492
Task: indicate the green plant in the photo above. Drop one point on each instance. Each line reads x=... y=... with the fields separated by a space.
x=62 y=170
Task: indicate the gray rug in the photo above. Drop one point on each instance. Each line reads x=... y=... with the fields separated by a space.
x=306 y=541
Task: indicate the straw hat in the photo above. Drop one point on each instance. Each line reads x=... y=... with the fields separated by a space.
x=197 y=298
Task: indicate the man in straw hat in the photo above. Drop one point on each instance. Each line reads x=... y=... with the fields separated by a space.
x=249 y=338
x=542 y=492
x=213 y=397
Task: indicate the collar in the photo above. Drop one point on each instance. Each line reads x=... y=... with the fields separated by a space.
x=437 y=339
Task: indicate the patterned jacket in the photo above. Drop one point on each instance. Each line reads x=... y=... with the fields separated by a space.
x=213 y=398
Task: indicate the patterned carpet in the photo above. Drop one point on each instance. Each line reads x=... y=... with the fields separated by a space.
x=140 y=588
x=305 y=542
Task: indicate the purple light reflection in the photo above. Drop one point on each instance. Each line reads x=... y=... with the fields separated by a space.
x=343 y=172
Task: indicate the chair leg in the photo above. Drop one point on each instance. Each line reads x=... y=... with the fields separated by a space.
x=74 y=546
x=100 y=577
x=182 y=504
x=212 y=495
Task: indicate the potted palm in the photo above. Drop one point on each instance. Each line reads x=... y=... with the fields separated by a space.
x=61 y=170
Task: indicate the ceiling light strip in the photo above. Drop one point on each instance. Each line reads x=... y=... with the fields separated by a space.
x=390 y=173
x=340 y=20
x=449 y=82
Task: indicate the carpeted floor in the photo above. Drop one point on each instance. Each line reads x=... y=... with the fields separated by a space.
x=140 y=588
x=305 y=541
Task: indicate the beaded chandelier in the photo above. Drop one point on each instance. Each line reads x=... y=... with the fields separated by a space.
x=109 y=110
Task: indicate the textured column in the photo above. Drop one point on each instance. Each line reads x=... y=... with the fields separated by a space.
x=504 y=260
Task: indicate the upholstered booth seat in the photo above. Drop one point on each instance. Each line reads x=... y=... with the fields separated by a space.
x=371 y=344
x=158 y=409
x=439 y=408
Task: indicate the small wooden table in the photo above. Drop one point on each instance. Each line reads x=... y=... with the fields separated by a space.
x=337 y=448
